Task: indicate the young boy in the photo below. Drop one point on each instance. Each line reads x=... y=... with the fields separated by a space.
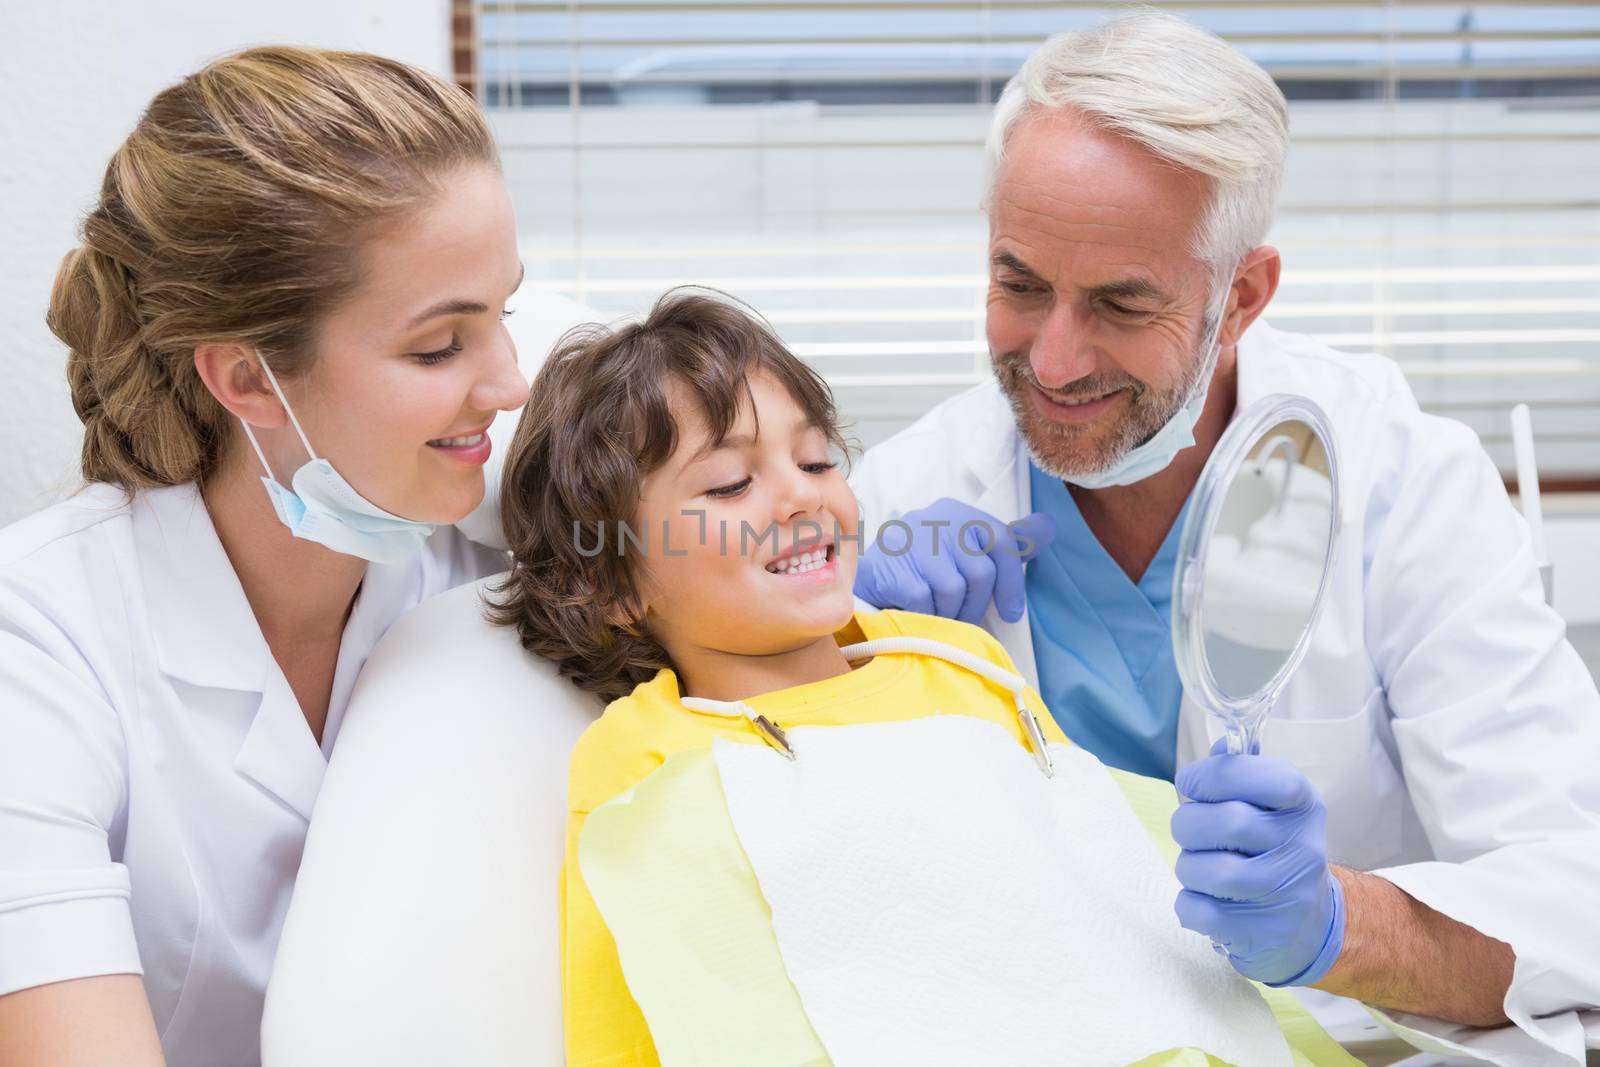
x=685 y=544
x=680 y=528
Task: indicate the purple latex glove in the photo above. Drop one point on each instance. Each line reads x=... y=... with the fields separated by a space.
x=951 y=559
x=1255 y=869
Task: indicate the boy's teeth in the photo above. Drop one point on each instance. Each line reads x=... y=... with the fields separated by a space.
x=800 y=563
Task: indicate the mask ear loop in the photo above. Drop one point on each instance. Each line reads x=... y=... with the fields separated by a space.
x=262 y=456
x=276 y=388
x=250 y=434
x=1213 y=346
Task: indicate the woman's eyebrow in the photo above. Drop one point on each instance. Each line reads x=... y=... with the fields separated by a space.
x=449 y=307
x=459 y=306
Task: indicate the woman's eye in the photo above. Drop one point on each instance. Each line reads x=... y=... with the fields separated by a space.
x=506 y=313
x=428 y=359
x=729 y=490
x=818 y=468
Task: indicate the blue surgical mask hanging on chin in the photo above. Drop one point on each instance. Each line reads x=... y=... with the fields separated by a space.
x=1156 y=454
x=325 y=508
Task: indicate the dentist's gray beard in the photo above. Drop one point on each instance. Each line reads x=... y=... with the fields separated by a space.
x=1064 y=450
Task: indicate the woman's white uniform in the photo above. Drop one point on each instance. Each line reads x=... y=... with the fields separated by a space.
x=156 y=772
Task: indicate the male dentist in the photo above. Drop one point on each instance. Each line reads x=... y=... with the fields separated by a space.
x=1422 y=830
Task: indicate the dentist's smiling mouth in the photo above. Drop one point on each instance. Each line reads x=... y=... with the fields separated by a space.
x=1074 y=409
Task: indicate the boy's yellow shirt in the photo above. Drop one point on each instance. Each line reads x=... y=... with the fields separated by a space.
x=604 y=1027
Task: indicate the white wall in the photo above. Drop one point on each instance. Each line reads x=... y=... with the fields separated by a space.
x=74 y=77
x=1572 y=539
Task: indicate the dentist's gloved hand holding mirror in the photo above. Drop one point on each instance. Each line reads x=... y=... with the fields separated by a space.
x=1253 y=563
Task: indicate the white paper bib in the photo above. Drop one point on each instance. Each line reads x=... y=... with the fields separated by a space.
x=939 y=901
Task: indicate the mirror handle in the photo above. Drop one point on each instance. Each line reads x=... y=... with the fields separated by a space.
x=1244 y=732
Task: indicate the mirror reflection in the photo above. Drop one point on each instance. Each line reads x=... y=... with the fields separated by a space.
x=1264 y=561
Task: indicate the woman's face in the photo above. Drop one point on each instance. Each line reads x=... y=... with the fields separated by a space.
x=411 y=370
x=758 y=556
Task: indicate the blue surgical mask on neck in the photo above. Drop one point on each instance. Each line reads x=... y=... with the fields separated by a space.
x=325 y=508
x=1177 y=434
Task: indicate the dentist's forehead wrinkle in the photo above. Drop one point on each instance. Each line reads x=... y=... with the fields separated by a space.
x=1112 y=264
x=1059 y=218
x=1050 y=235
x=1067 y=179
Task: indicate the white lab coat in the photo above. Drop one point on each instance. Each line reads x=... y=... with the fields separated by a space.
x=156 y=772
x=1441 y=713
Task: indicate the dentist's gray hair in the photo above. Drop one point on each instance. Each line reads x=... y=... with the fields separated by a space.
x=1181 y=92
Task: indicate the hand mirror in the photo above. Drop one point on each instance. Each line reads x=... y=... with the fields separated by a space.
x=1253 y=562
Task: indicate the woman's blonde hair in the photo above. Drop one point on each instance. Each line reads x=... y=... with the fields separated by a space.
x=235 y=213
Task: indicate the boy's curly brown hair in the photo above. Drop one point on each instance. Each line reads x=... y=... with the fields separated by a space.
x=598 y=422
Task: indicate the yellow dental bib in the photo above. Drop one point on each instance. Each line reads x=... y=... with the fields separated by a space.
x=667 y=870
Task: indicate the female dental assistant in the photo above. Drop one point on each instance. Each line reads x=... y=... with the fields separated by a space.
x=285 y=335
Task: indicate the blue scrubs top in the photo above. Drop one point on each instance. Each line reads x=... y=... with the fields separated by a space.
x=1103 y=645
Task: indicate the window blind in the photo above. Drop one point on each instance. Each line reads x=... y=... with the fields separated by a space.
x=822 y=160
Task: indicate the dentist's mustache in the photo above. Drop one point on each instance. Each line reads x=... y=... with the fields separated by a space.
x=1019 y=368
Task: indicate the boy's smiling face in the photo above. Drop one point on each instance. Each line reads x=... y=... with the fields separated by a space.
x=757 y=529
